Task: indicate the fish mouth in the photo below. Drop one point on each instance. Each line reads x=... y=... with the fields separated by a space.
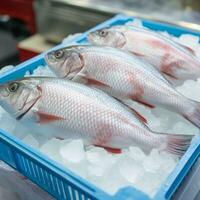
x=90 y=36
x=48 y=59
x=19 y=117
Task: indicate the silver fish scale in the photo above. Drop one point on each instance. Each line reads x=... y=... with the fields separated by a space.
x=124 y=56
x=186 y=65
x=116 y=71
x=126 y=28
x=102 y=97
x=90 y=119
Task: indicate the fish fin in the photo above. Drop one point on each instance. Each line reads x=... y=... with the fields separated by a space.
x=191 y=50
x=137 y=54
x=111 y=150
x=45 y=118
x=195 y=116
x=148 y=105
x=139 y=116
x=170 y=75
x=188 y=49
x=176 y=144
x=92 y=81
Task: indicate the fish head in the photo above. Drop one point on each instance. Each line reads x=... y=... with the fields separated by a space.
x=108 y=36
x=65 y=62
x=18 y=97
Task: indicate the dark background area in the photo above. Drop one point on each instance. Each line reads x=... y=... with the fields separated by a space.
x=12 y=31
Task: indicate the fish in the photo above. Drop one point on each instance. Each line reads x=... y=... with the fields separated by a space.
x=121 y=75
x=63 y=110
x=175 y=61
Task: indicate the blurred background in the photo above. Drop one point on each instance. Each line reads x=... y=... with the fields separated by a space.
x=29 y=27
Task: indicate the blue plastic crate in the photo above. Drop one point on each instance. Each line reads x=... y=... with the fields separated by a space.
x=64 y=184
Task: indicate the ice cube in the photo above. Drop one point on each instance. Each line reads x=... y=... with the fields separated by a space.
x=130 y=170
x=166 y=34
x=73 y=151
x=51 y=148
x=149 y=182
x=168 y=162
x=100 y=160
x=27 y=74
x=136 y=153
x=95 y=155
x=30 y=140
x=189 y=89
x=189 y=40
x=6 y=69
x=111 y=180
x=41 y=71
x=9 y=123
x=95 y=170
x=99 y=156
x=70 y=38
x=162 y=120
x=152 y=162
x=136 y=22
x=184 y=127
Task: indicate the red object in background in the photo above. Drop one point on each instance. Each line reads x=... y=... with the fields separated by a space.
x=25 y=54
x=20 y=9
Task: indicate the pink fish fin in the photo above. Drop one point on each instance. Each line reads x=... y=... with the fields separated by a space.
x=148 y=105
x=92 y=81
x=195 y=116
x=59 y=138
x=189 y=49
x=137 y=54
x=145 y=104
x=177 y=144
x=135 y=112
x=45 y=118
x=170 y=75
x=139 y=116
x=111 y=150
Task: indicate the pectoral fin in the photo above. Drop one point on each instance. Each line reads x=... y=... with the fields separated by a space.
x=142 y=102
x=111 y=150
x=137 y=54
x=189 y=49
x=45 y=118
x=92 y=81
x=170 y=75
x=139 y=116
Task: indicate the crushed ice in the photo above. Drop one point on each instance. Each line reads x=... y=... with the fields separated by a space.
x=132 y=167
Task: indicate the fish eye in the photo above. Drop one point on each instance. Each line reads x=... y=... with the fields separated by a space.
x=13 y=87
x=103 y=33
x=58 y=54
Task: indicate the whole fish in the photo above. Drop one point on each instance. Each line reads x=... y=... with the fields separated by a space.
x=169 y=57
x=61 y=109
x=121 y=75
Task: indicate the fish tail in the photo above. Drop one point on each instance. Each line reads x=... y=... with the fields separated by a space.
x=194 y=116
x=177 y=144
